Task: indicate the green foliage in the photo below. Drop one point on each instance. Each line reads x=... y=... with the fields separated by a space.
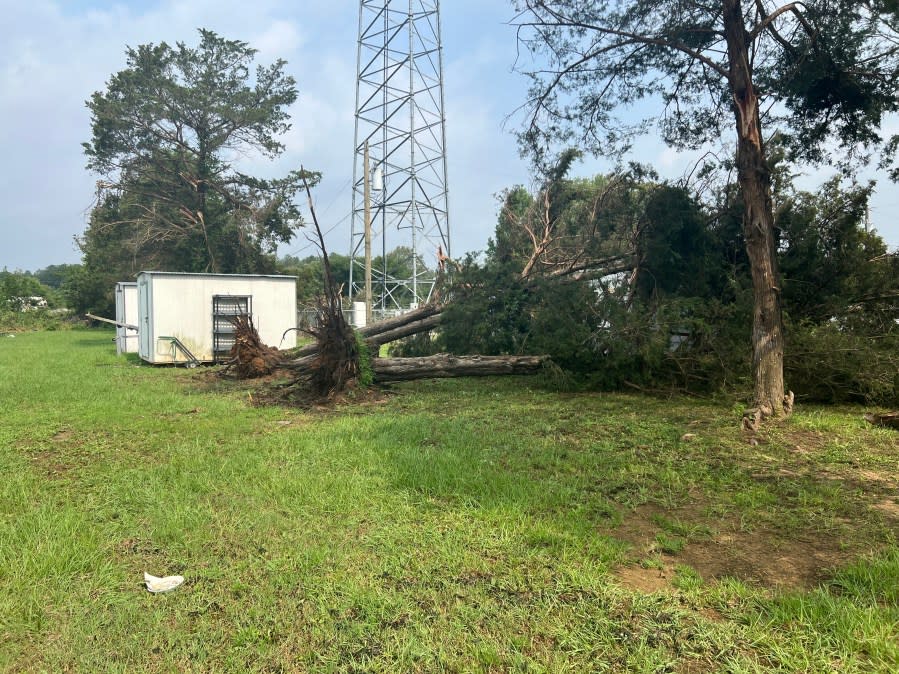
x=39 y=320
x=310 y=284
x=833 y=268
x=309 y=270
x=56 y=275
x=830 y=80
x=826 y=74
x=674 y=314
x=16 y=289
x=830 y=363
x=489 y=312
x=366 y=374
x=164 y=133
x=679 y=253
x=629 y=286
x=91 y=290
x=27 y=304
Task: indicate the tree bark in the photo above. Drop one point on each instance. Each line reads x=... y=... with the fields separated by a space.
x=401 y=320
x=754 y=179
x=444 y=365
x=890 y=419
x=374 y=342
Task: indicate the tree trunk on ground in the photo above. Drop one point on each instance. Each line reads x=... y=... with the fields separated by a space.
x=424 y=318
x=890 y=419
x=758 y=228
x=437 y=367
x=403 y=319
x=444 y=365
x=425 y=325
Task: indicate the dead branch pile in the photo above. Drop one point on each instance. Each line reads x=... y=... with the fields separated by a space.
x=249 y=357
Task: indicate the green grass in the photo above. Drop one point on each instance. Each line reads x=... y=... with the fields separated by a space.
x=452 y=526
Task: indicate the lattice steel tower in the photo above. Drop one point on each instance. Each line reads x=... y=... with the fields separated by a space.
x=400 y=117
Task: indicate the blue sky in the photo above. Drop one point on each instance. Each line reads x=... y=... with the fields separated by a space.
x=54 y=54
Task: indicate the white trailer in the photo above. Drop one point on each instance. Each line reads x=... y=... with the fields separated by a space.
x=186 y=318
x=126 y=317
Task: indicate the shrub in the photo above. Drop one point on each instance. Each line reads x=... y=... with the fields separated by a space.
x=828 y=363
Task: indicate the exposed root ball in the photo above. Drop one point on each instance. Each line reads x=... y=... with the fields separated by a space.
x=249 y=357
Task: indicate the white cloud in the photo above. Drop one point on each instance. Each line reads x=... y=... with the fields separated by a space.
x=54 y=54
x=280 y=38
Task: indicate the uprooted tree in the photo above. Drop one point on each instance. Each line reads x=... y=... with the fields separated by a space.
x=341 y=358
x=632 y=283
x=823 y=73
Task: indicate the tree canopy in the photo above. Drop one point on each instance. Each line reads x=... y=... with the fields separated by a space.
x=673 y=313
x=825 y=73
x=167 y=136
x=821 y=75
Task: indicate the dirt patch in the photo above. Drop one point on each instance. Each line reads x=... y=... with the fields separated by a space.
x=723 y=550
x=806 y=442
x=50 y=464
x=889 y=507
x=646 y=580
x=765 y=559
x=867 y=481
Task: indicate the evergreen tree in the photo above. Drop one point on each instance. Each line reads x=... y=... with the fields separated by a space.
x=824 y=72
x=165 y=134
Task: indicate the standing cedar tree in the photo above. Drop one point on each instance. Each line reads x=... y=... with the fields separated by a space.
x=166 y=134
x=820 y=74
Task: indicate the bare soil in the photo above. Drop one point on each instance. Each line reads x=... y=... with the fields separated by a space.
x=761 y=555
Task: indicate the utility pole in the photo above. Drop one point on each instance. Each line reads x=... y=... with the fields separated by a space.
x=367 y=178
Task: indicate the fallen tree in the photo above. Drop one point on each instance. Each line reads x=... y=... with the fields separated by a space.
x=250 y=357
x=413 y=322
x=447 y=365
x=341 y=358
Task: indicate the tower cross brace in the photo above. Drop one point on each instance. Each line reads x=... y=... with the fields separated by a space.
x=400 y=117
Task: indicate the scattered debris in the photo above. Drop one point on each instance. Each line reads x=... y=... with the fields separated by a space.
x=889 y=419
x=158 y=585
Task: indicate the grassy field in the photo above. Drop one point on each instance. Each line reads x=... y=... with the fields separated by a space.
x=452 y=526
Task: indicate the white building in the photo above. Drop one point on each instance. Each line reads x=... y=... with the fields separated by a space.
x=126 y=317
x=185 y=318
